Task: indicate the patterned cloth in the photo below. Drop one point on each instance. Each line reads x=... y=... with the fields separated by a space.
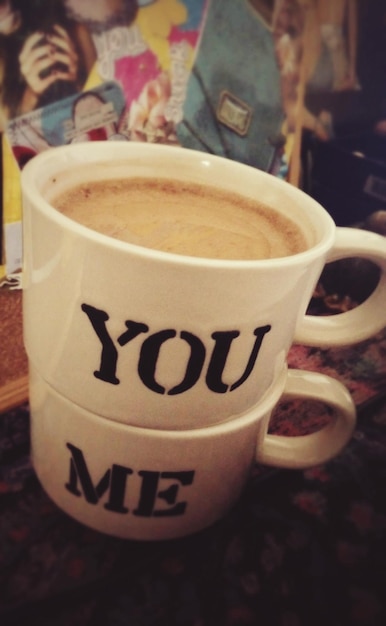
x=300 y=548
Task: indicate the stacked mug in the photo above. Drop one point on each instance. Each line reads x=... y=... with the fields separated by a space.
x=154 y=373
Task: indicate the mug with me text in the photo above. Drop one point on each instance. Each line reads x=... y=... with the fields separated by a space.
x=164 y=287
x=153 y=484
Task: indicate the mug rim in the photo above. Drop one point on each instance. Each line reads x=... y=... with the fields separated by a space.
x=98 y=151
x=234 y=423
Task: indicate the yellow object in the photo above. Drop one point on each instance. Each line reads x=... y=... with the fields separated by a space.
x=11 y=186
x=12 y=211
x=155 y=22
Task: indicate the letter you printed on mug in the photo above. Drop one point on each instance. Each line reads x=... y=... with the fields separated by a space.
x=149 y=352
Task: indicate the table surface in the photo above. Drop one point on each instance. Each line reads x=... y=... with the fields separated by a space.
x=13 y=362
x=300 y=548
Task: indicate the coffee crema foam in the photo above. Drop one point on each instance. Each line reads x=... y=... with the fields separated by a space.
x=185 y=218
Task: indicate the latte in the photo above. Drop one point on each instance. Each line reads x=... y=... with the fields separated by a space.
x=183 y=218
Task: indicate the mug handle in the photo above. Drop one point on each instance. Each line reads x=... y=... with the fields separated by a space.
x=366 y=319
x=314 y=449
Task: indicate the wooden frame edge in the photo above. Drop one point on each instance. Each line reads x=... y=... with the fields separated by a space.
x=13 y=394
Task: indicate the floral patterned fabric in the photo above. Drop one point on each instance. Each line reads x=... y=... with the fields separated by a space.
x=300 y=548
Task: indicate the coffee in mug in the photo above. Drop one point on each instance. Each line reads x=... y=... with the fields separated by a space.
x=183 y=218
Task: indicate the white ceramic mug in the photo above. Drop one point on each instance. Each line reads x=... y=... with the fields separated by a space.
x=211 y=336
x=148 y=484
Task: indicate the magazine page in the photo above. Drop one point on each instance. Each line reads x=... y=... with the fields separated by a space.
x=217 y=76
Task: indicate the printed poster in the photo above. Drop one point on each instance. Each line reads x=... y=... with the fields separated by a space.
x=214 y=75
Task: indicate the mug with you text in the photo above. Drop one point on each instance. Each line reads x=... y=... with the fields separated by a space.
x=163 y=287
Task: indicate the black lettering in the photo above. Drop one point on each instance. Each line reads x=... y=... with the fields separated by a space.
x=150 y=351
x=218 y=359
x=259 y=333
x=133 y=330
x=150 y=493
x=114 y=478
x=223 y=341
x=149 y=356
x=109 y=356
x=79 y=471
x=194 y=366
x=118 y=485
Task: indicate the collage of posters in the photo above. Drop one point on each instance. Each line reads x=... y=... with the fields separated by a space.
x=225 y=77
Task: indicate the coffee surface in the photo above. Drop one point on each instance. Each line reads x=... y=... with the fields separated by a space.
x=183 y=218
